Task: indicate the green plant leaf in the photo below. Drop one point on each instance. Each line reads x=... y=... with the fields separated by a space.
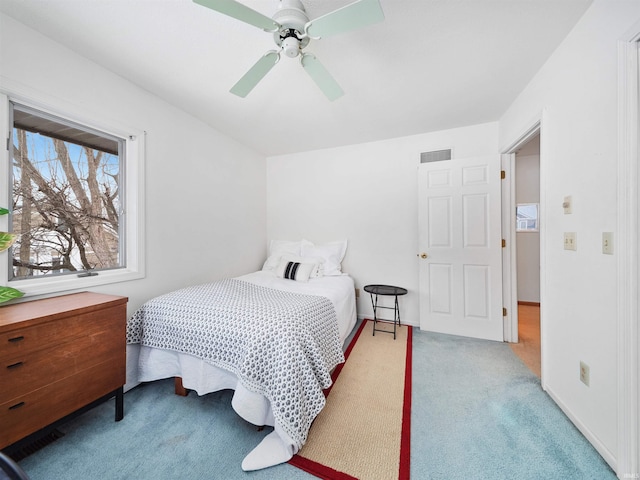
x=6 y=240
x=8 y=293
x=4 y=211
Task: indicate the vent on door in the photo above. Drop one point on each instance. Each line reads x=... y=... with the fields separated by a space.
x=435 y=156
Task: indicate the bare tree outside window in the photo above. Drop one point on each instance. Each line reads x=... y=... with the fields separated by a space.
x=66 y=197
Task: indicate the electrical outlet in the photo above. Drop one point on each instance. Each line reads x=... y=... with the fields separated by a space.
x=570 y=241
x=567 y=205
x=584 y=373
x=607 y=243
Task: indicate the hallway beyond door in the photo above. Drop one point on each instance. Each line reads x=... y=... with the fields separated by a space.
x=528 y=346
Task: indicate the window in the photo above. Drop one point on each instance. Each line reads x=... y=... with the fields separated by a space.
x=527 y=217
x=75 y=200
x=66 y=196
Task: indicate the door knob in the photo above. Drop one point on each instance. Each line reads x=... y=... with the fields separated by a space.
x=423 y=255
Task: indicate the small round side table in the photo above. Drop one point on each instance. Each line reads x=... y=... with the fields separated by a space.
x=385 y=290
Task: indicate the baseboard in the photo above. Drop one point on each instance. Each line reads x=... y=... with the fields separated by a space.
x=604 y=452
x=531 y=304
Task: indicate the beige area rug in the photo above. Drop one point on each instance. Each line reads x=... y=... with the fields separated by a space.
x=364 y=430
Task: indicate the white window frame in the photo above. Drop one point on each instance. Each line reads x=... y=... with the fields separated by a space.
x=133 y=195
x=529 y=230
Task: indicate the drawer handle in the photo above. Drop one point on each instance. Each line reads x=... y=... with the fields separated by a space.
x=15 y=365
x=16 y=339
x=17 y=405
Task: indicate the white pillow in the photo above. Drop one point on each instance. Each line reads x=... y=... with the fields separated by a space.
x=278 y=248
x=318 y=264
x=332 y=254
x=297 y=271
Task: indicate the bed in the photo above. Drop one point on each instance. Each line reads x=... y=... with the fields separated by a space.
x=273 y=336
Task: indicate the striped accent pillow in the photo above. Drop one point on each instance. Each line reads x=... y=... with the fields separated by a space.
x=297 y=271
x=290 y=270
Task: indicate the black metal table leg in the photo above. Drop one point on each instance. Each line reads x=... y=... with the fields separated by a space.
x=387 y=290
x=119 y=404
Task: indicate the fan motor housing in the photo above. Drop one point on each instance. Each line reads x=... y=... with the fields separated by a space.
x=292 y=16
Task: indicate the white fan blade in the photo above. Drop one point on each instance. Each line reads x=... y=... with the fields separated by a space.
x=242 y=13
x=356 y=15
x=255 y=74
x=321 y=76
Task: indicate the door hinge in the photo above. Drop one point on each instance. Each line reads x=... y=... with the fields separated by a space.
x=504 y=312
x=504 y=243
x=503 y=174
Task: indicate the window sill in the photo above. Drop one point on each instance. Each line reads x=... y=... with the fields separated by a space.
x=59 y=284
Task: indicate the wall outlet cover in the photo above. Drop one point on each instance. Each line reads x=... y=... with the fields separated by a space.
x=584 y=373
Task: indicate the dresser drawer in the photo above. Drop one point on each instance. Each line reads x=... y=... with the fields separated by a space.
x=24 y=372
x=22 y=341
x=26 y=414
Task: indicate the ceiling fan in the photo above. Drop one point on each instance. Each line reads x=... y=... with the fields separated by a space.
x=292 y=30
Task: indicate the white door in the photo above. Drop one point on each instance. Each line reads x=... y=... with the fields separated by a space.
x=459 y=231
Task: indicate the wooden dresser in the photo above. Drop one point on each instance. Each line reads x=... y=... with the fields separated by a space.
x=57 y=356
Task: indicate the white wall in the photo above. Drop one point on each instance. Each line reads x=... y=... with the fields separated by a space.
x=367 y=193
x=575 y=95
x=528 y=243
x=205 y=213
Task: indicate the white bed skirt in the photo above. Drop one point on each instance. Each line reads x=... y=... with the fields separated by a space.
x=202 y=377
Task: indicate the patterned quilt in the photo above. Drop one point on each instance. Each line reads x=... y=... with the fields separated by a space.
x=279 y=344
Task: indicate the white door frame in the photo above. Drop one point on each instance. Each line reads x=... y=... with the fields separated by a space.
x=509 y=258
x=628 y=266
x=509 y=264
x=510 y=290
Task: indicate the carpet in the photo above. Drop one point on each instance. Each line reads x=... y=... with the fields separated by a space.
x=364 y=429
x=478 y=414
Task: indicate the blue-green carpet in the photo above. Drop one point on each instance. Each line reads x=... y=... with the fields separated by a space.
x=477 y=413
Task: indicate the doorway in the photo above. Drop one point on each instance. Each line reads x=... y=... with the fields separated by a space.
x=527 y=241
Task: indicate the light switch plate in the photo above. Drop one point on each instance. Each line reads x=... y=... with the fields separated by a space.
x=570 y=241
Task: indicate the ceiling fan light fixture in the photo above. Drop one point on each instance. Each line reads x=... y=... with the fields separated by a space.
x=291 y=47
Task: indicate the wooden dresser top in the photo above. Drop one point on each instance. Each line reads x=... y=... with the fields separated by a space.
x=47 y=309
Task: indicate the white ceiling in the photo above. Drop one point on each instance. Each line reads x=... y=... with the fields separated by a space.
x=431 y=65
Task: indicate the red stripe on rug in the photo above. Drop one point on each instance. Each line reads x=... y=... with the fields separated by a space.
x=405 y=436
x=319 y=470
x=328 y=473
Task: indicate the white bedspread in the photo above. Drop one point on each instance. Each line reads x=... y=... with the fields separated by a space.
x=205 y=377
